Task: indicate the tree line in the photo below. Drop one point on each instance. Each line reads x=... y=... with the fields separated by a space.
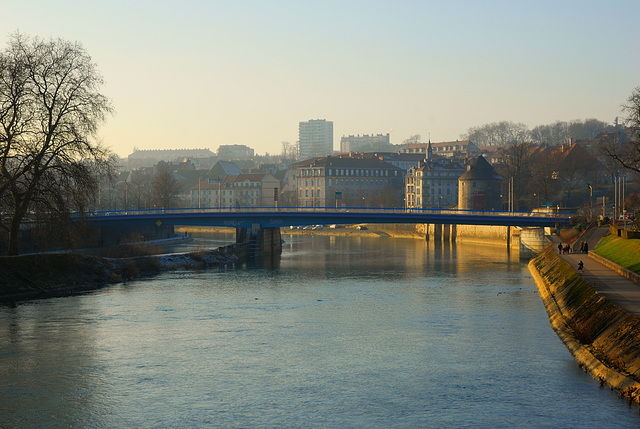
x=505 y=133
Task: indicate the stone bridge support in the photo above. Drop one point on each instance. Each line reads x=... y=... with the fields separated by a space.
x=259 y=241
x=532 y=242
x=440 y=232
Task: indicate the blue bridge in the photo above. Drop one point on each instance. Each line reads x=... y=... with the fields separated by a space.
x=270 y=217
x=258 y=229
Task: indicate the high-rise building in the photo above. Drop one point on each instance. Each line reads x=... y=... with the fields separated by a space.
x=316 y=138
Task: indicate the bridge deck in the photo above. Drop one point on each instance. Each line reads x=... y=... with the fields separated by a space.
x=268 y=217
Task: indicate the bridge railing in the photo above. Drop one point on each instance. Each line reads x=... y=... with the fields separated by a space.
x=316 y=210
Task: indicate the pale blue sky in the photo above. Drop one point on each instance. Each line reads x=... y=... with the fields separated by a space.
x=199 y=74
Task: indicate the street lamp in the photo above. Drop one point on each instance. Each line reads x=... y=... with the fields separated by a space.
x=590 y=202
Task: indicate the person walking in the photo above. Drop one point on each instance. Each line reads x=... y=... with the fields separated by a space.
x=586 y=247
x=559 y=248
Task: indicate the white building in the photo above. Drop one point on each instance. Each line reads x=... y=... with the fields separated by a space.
x=315 y=138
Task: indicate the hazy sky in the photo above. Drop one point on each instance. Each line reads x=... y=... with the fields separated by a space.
x=200 y=74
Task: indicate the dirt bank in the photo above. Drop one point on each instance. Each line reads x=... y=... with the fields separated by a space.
x=604 y=339
x=62 y=274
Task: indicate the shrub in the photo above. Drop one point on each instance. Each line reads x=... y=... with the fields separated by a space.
x=578 y=220
x=130 y=270
x=568 y=235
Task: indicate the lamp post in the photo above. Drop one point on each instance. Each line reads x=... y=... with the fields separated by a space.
x=590 y=202
x=624 y=206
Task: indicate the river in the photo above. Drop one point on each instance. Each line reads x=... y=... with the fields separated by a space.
x=338 y=332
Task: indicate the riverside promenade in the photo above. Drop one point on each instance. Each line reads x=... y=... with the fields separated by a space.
x=617 y=289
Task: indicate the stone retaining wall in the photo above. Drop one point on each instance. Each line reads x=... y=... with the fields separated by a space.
x=604 y=339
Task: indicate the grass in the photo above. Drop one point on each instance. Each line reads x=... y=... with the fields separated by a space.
x=625 y=252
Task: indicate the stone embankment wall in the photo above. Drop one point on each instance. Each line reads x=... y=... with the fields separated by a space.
x=603 y=338
x=487 y=234
x=528 y=241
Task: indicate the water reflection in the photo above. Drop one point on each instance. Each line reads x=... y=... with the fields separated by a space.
x=337 y=332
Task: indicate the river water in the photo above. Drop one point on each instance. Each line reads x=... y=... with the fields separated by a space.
x=339 y=332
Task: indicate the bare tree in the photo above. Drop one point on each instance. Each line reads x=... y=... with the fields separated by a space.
x=586 y=129
x=518 y=167
x=289 y=151
x=553 y=134
x=50 y=109
x=544 y=184
x=165 y=189
x=574 y=165
x=414 y=139
x=627 y=153
x=498 y=134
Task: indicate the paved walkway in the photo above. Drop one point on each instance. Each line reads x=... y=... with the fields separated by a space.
x=620 y=291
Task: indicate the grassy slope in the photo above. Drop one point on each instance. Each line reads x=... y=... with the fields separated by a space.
x=622 y=252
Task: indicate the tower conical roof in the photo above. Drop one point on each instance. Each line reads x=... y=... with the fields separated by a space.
x=480 y=169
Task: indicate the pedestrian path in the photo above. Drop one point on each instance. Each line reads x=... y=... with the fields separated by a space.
x=618 y=290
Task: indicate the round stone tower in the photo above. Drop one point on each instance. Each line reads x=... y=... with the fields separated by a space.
x=479 y=187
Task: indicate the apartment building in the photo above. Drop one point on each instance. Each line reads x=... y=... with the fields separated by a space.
x=433 y=183
x=347 y=182
x=315 y=138
x=243 y=190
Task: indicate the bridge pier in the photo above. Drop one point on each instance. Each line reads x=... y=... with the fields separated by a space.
x=259 y=241
x=440 y=232
x=532 y=242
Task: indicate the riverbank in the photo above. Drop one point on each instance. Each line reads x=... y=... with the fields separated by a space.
x=604 y=339
x=62 y=274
